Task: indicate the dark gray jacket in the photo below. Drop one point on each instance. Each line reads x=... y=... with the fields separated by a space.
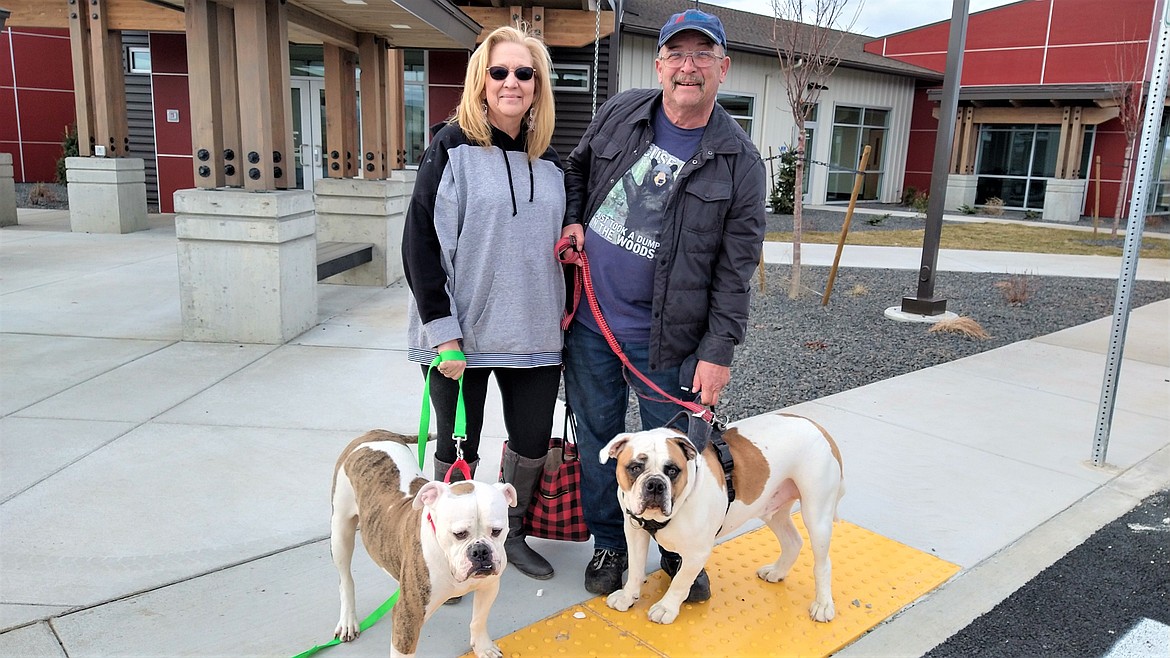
x=712 y=233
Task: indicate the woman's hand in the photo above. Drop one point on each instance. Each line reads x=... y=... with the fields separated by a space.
x=452 y=368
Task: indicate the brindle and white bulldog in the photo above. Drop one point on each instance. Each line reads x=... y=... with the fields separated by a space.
x=437 y=540
x=665 y=487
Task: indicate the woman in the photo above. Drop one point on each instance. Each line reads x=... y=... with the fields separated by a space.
x=486 y=211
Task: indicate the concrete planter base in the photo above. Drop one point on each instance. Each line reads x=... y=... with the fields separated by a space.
x=247 y=264
x=106 y=195
x=374 y=211
x=7 y=191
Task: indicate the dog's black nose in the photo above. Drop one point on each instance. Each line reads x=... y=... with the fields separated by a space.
x=655 y=486
x=479 y=554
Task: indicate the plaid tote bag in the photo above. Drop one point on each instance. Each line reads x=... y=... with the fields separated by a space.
x=556 y=511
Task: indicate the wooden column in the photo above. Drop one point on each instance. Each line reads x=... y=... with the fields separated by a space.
x=970 y=136
x=252 y=43
x=82 y=79
x=1062 y=142
x=229 y=95
x=395 y=110
x=203 y=83
x=283 y=171
x=1075 y=145
x=373 y=100
x=109 y=88
x=340 y=112
x=536 y=27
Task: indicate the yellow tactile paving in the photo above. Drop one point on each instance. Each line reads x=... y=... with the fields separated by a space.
x=873 y=577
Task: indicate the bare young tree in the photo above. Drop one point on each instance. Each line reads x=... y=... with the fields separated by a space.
x=806 y=35
x=1126 y=78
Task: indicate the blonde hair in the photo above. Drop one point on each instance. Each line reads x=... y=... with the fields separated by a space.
x=470 y=114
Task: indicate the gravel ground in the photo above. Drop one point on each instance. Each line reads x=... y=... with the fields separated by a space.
x=797 y=350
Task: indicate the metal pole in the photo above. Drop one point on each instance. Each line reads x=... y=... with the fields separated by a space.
x=1158 y=68
x=926 y=303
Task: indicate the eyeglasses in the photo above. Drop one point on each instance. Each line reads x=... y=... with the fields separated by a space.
x=701 y=58
x=522 y=73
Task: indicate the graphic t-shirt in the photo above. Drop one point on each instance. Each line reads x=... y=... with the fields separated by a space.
x=624 y=232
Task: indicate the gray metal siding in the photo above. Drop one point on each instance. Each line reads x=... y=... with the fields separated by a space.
x=140 y=117
x=575 y=108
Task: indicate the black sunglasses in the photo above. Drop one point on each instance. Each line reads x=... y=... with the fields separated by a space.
x=523 y=73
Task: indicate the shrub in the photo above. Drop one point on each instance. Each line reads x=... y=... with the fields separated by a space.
x=40 y=194
x=68 y=150
x=993 y=206
x=962 y=325
x=968 y=209
x=1031 y=215
x=876 y=220
x=782 y=197
x=1015 y=290
x=920 y=202
x=909 y=194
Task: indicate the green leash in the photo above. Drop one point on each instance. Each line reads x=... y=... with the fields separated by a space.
x=424 y=427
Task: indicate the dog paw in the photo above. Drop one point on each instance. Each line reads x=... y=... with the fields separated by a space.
x=487 y=650
x=770 y=573
x=662 y=614
x=347 y=629
x=620 y=600
x=822 y=610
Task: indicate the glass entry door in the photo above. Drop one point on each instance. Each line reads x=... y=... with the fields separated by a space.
x=308 y=119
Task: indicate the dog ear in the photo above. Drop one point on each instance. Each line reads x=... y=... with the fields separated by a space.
x=430 y=492
x=509 y=493
x=687 y=447
x=614 y=447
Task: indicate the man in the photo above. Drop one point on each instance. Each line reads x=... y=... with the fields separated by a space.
x=666 y=192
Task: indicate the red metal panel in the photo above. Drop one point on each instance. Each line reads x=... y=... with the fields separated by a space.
x=1096 y=63
x=40 y=162
x=1003 y=67
x=8 y=132
x=5 y=61
x=43 y=62
x=931 y=38
x=44 y=114
x=447 y=67
x=174 y=173
x=1093 y=21
x=442 y=102
x=1011 y=26
x=921 y=114
x=172 y=92
x=168 y=52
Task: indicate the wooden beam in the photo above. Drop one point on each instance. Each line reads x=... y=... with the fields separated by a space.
x=82 y=81
x=970 y=136
x=316 y=25
x=120 y=14
x=395 y=109
x=1076 y=142
x=229 y=95
x=203 y=84
x=536 y=22
x=370 y=50
x=340 y=112
x=568 y=28
x=956 y=145
x=280 y=91
x=252 y=43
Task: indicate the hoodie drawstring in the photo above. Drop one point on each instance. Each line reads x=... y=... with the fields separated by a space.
x=511 y=185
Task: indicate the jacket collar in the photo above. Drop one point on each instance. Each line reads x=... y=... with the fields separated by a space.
x=717 y=137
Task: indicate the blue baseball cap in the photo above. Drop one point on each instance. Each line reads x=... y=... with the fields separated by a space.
x=693 y=19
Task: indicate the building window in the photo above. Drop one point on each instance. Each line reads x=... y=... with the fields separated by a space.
x=138 y=59
x=571 y=77
x=853 y=129
x=1014 y=163
x=414 y=93
x=741 y=108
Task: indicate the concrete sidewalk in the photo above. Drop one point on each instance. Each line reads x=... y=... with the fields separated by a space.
x=161 y=497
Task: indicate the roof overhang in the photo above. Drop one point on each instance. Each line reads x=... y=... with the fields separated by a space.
x=403 y=23
x=4 y=14
x=1099 y=94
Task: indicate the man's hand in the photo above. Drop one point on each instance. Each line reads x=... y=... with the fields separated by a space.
x=577 y=231
x=710 y=380
x=452 y=369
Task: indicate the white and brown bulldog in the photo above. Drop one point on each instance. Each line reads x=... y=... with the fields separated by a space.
x=437 y=540
x=664 y=486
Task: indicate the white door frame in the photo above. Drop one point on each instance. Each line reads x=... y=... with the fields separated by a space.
x=308 y=140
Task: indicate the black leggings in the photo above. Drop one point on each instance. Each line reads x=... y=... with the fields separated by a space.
x=529 y=396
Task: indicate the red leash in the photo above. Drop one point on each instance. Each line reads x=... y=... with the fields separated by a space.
x=567 y=253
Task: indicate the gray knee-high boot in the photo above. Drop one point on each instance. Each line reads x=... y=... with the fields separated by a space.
x=523 y=473
x=442 y=467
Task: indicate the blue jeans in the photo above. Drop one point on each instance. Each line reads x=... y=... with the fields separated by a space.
x=598 y=393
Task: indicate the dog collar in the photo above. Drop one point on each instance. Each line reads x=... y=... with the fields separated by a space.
x=649 y=525
x=432 y=522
